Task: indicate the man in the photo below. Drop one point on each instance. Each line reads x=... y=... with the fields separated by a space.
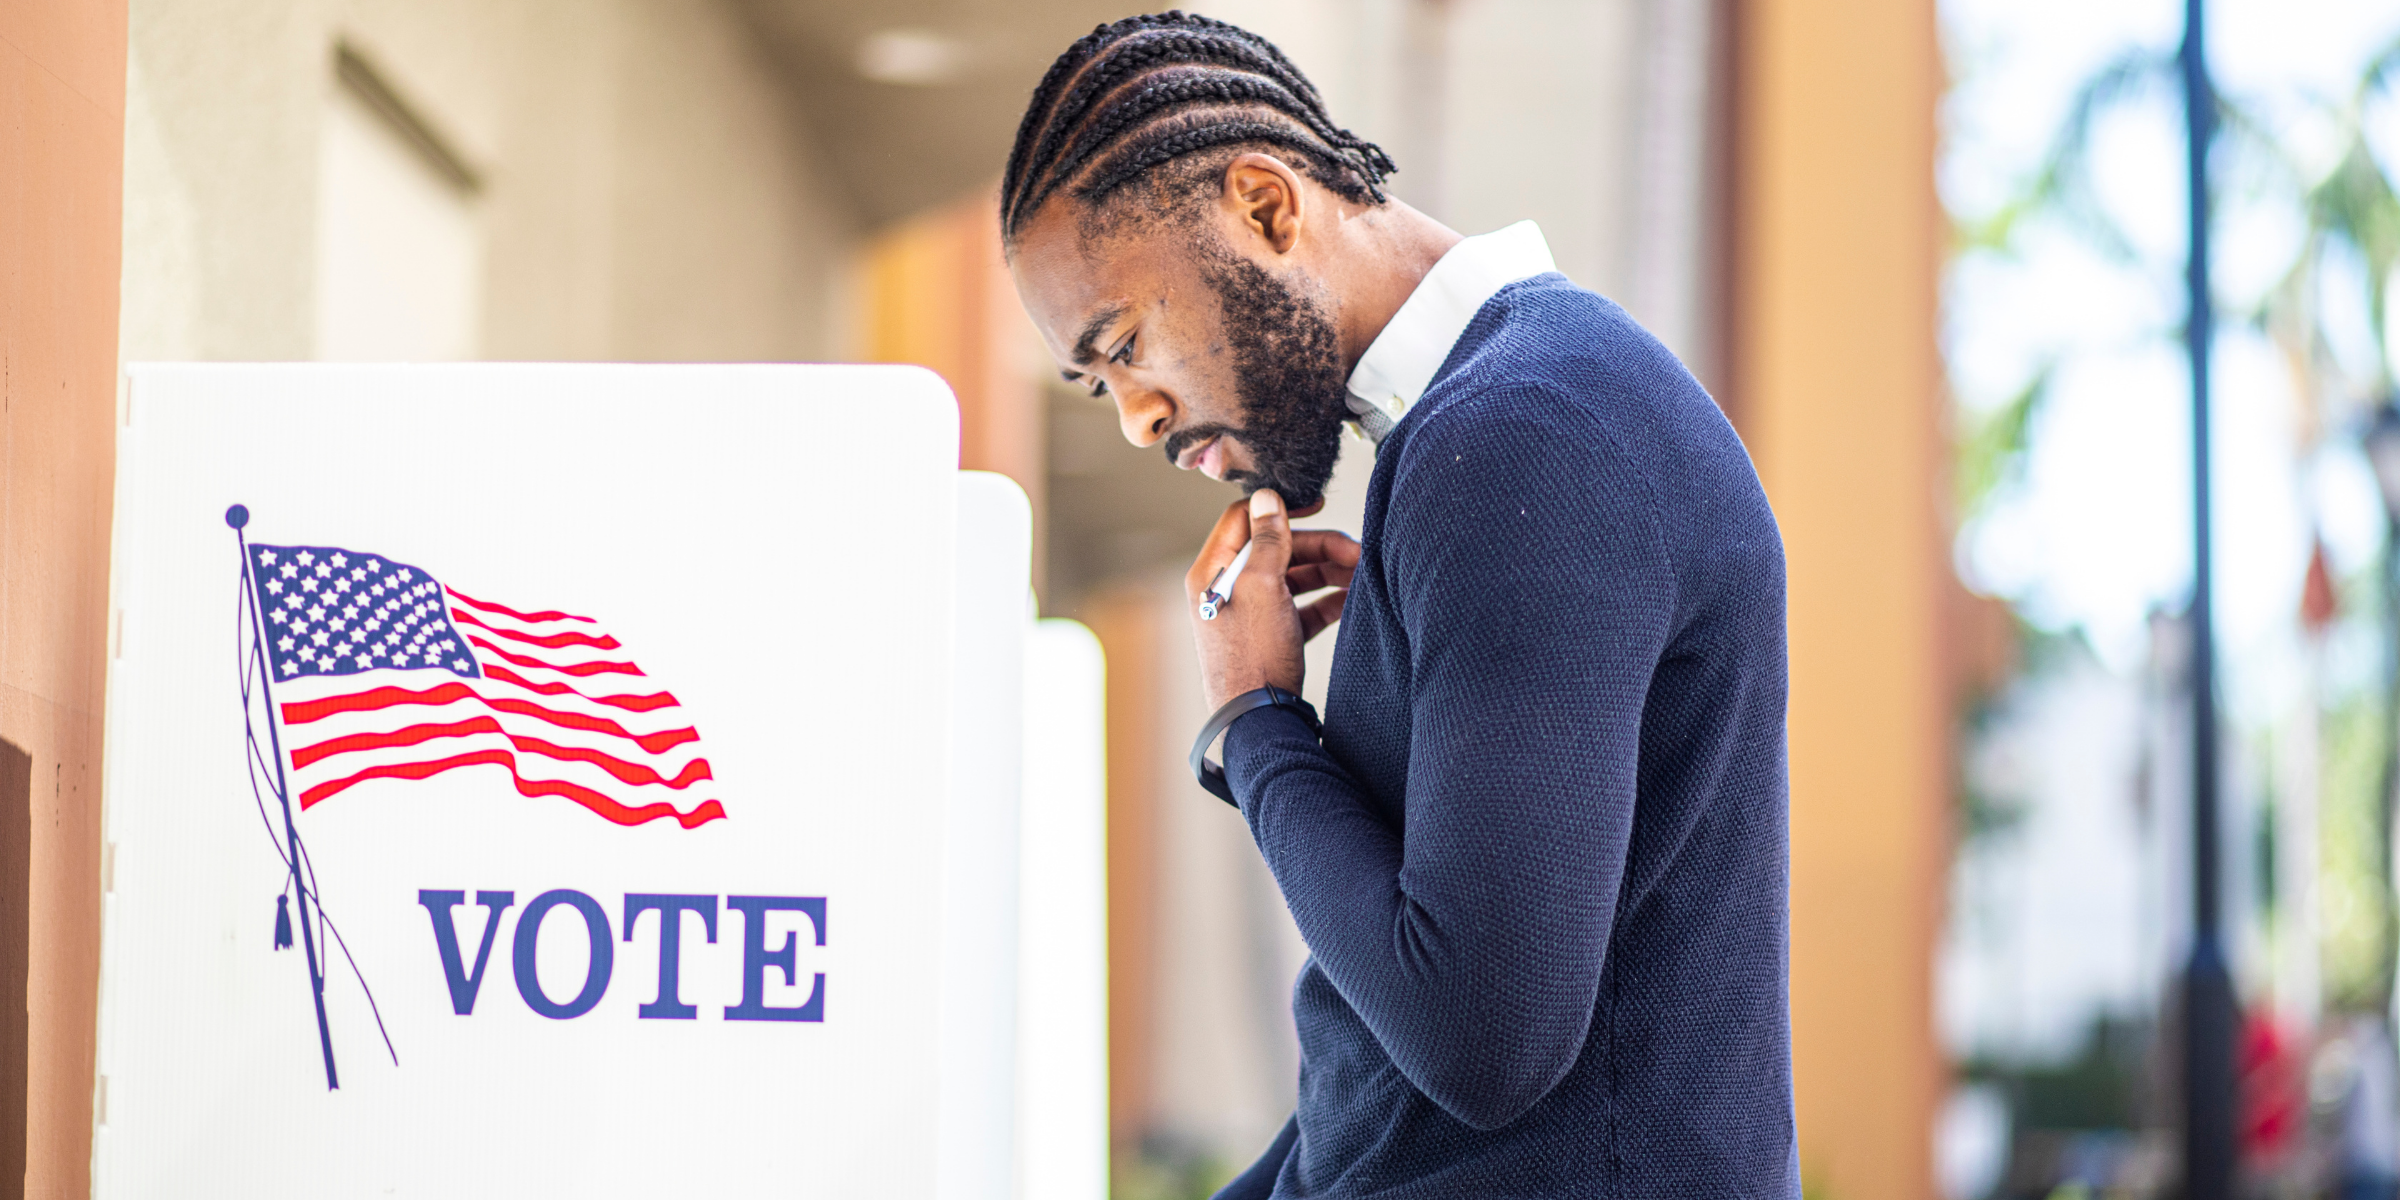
x=1537 y=850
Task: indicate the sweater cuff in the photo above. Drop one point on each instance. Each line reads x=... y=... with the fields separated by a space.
x=1261 y=743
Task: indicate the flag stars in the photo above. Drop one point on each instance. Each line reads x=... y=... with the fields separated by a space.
x=351 y=612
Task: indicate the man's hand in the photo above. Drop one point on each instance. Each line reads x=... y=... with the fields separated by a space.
x=1256 y=640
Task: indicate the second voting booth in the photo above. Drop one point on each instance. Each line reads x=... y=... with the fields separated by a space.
x=596 y=780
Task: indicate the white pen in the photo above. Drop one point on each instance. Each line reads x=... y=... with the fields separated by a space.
x=1212 y=599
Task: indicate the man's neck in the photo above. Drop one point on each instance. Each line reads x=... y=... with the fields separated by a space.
x=1392 y=246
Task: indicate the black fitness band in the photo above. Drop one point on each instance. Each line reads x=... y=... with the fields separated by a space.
x=1211 y=775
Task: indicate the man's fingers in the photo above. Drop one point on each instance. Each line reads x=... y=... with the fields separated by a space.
x=1324 y=545
x=1224 y=541
x=1318 y=614
x=1309 y=576
x=1321 y=558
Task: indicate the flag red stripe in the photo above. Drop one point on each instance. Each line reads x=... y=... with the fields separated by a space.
x=589 y=668
x=625 y=772
x=300 y=712
x=548 y=642
x=506 y=611
x=701 y=814
x=656 y=700
x=410 y=736
x=655 y=743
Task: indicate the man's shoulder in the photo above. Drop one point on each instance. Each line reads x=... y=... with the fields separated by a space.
x=1555 y=385
x=1547 y=363
x=1548 y=330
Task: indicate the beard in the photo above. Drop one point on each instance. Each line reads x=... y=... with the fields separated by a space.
x=1288 y=376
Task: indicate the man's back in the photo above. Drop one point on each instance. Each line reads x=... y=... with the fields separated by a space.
x=1556 y=715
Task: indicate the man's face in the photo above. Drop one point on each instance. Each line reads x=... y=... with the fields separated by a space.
x=1228 y=365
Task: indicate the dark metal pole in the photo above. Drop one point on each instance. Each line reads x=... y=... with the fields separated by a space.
x=238 y=516
x=2209 y=1009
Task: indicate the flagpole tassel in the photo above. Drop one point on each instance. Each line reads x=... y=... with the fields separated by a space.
x=283 y=922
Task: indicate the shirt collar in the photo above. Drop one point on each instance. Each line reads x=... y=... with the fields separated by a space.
x=1402 y=361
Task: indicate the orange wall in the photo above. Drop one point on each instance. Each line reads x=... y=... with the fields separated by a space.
x=1837 y=249
x=1127 y=624
x=938 y=294
x=62 y=120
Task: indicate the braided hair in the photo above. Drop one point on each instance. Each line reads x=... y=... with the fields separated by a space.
x=1133 y=96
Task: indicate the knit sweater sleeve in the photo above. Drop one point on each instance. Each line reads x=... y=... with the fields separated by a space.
x=1534 y=588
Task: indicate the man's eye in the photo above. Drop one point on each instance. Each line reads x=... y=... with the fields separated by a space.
x=1099 y=387
x=1124 y=353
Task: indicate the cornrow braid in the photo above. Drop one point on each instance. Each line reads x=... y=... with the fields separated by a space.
x=1132 y=96
x=1153 y=49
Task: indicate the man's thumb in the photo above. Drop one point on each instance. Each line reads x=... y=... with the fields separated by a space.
x=1270 y=528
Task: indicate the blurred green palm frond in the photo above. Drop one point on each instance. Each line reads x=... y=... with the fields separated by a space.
x=1992 y=445
x=2062 y=184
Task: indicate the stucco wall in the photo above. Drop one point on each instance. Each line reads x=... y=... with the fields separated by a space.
x=649 y=190
x=62 y=72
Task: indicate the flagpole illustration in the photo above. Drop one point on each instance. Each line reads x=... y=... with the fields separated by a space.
x=237 y=517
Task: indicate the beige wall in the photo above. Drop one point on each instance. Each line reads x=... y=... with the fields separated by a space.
x=1837 y=386
x=1495 y=110
x=62 y=74
x=649 y=191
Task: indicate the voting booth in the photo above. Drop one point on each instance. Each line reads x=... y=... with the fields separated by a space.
x=588 y=780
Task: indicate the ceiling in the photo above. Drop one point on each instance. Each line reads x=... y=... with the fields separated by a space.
x=955 y=78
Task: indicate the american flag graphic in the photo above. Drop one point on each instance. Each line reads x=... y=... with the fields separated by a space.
x=380 y=671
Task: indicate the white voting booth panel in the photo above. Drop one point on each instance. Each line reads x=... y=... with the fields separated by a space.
x=767 y=563
x=1062 y=954
x=979 y=853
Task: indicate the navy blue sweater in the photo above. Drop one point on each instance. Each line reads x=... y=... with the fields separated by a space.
x=1539 y=858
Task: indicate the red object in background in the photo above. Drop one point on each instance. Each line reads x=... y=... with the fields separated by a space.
x=2318 y=601
x=2274 y=1081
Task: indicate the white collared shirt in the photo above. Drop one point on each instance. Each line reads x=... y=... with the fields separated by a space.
x=1400 y=364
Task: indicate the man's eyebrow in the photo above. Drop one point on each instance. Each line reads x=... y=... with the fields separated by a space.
x=1092 y=329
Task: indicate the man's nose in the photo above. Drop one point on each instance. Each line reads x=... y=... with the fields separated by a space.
x=1144 y=415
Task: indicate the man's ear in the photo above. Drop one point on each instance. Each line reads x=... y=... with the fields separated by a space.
x=1265 y=194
